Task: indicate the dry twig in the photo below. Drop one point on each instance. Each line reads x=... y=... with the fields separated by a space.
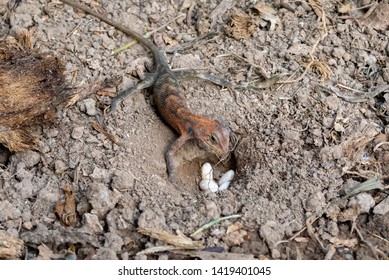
x=146 y=35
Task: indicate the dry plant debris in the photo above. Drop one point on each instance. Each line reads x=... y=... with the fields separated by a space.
x=107 y=134
x=11 y=248
x=208 y=225
x=377 y=17
x=267 y=13
x=361 y=97
x=179 y=240
x=66 y=210
x=30 y=98
x=344 y=8
x=242 y=26
x=371 y=184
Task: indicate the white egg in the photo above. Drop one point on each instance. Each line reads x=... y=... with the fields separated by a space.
x=206 y=171
x=204 y=185
x=213 y=187
x=208 y=185
x=226 y=179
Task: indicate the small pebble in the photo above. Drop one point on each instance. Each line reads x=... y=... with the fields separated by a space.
x=59 y=166
x=90 y=106
x=382 y=208
x=77 y=132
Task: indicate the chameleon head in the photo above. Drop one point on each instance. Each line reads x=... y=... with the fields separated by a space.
x=214 y=136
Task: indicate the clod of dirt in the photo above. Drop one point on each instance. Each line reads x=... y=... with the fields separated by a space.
x=102 y=199
x=315 y=202
x=8 y=211
x=105 y=254
x=152 y=219
x=122 y=181
x=364 y=200
x=383 y=207
x=92 y=224
x=32 y=85
x=235 y=238
x=113 y=241
x=272 y=232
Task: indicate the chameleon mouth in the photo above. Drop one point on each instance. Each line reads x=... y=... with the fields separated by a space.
x=234 y=141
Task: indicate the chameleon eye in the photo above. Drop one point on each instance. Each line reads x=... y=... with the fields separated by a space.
x=213 y=139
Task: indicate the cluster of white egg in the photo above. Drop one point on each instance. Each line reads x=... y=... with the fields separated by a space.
x=207 y=182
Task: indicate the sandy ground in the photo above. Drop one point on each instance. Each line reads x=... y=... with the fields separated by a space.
x=302 y=147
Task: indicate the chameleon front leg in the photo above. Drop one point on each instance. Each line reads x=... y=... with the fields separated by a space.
x=176 y=145
x=191 y=73
x=147 y=82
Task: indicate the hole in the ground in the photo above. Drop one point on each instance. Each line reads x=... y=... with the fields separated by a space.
x=189 y=167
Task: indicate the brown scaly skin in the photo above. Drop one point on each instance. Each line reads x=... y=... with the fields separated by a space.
x=175 y=111
x=171 y=105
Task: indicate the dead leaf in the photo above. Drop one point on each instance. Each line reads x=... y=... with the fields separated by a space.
x=234 y=227
x=302 y=239
x=267 y=13
x=180 y=240
x=170 y=41
x=344 y=8
x=350 y=214
x=66 y=211
x=344 y=242
x=44 y=252
x=317 y=7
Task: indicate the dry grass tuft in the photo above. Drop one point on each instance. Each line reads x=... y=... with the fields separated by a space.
x=32 y=85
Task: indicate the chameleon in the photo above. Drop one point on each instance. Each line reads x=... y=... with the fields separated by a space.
x=172 y=106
